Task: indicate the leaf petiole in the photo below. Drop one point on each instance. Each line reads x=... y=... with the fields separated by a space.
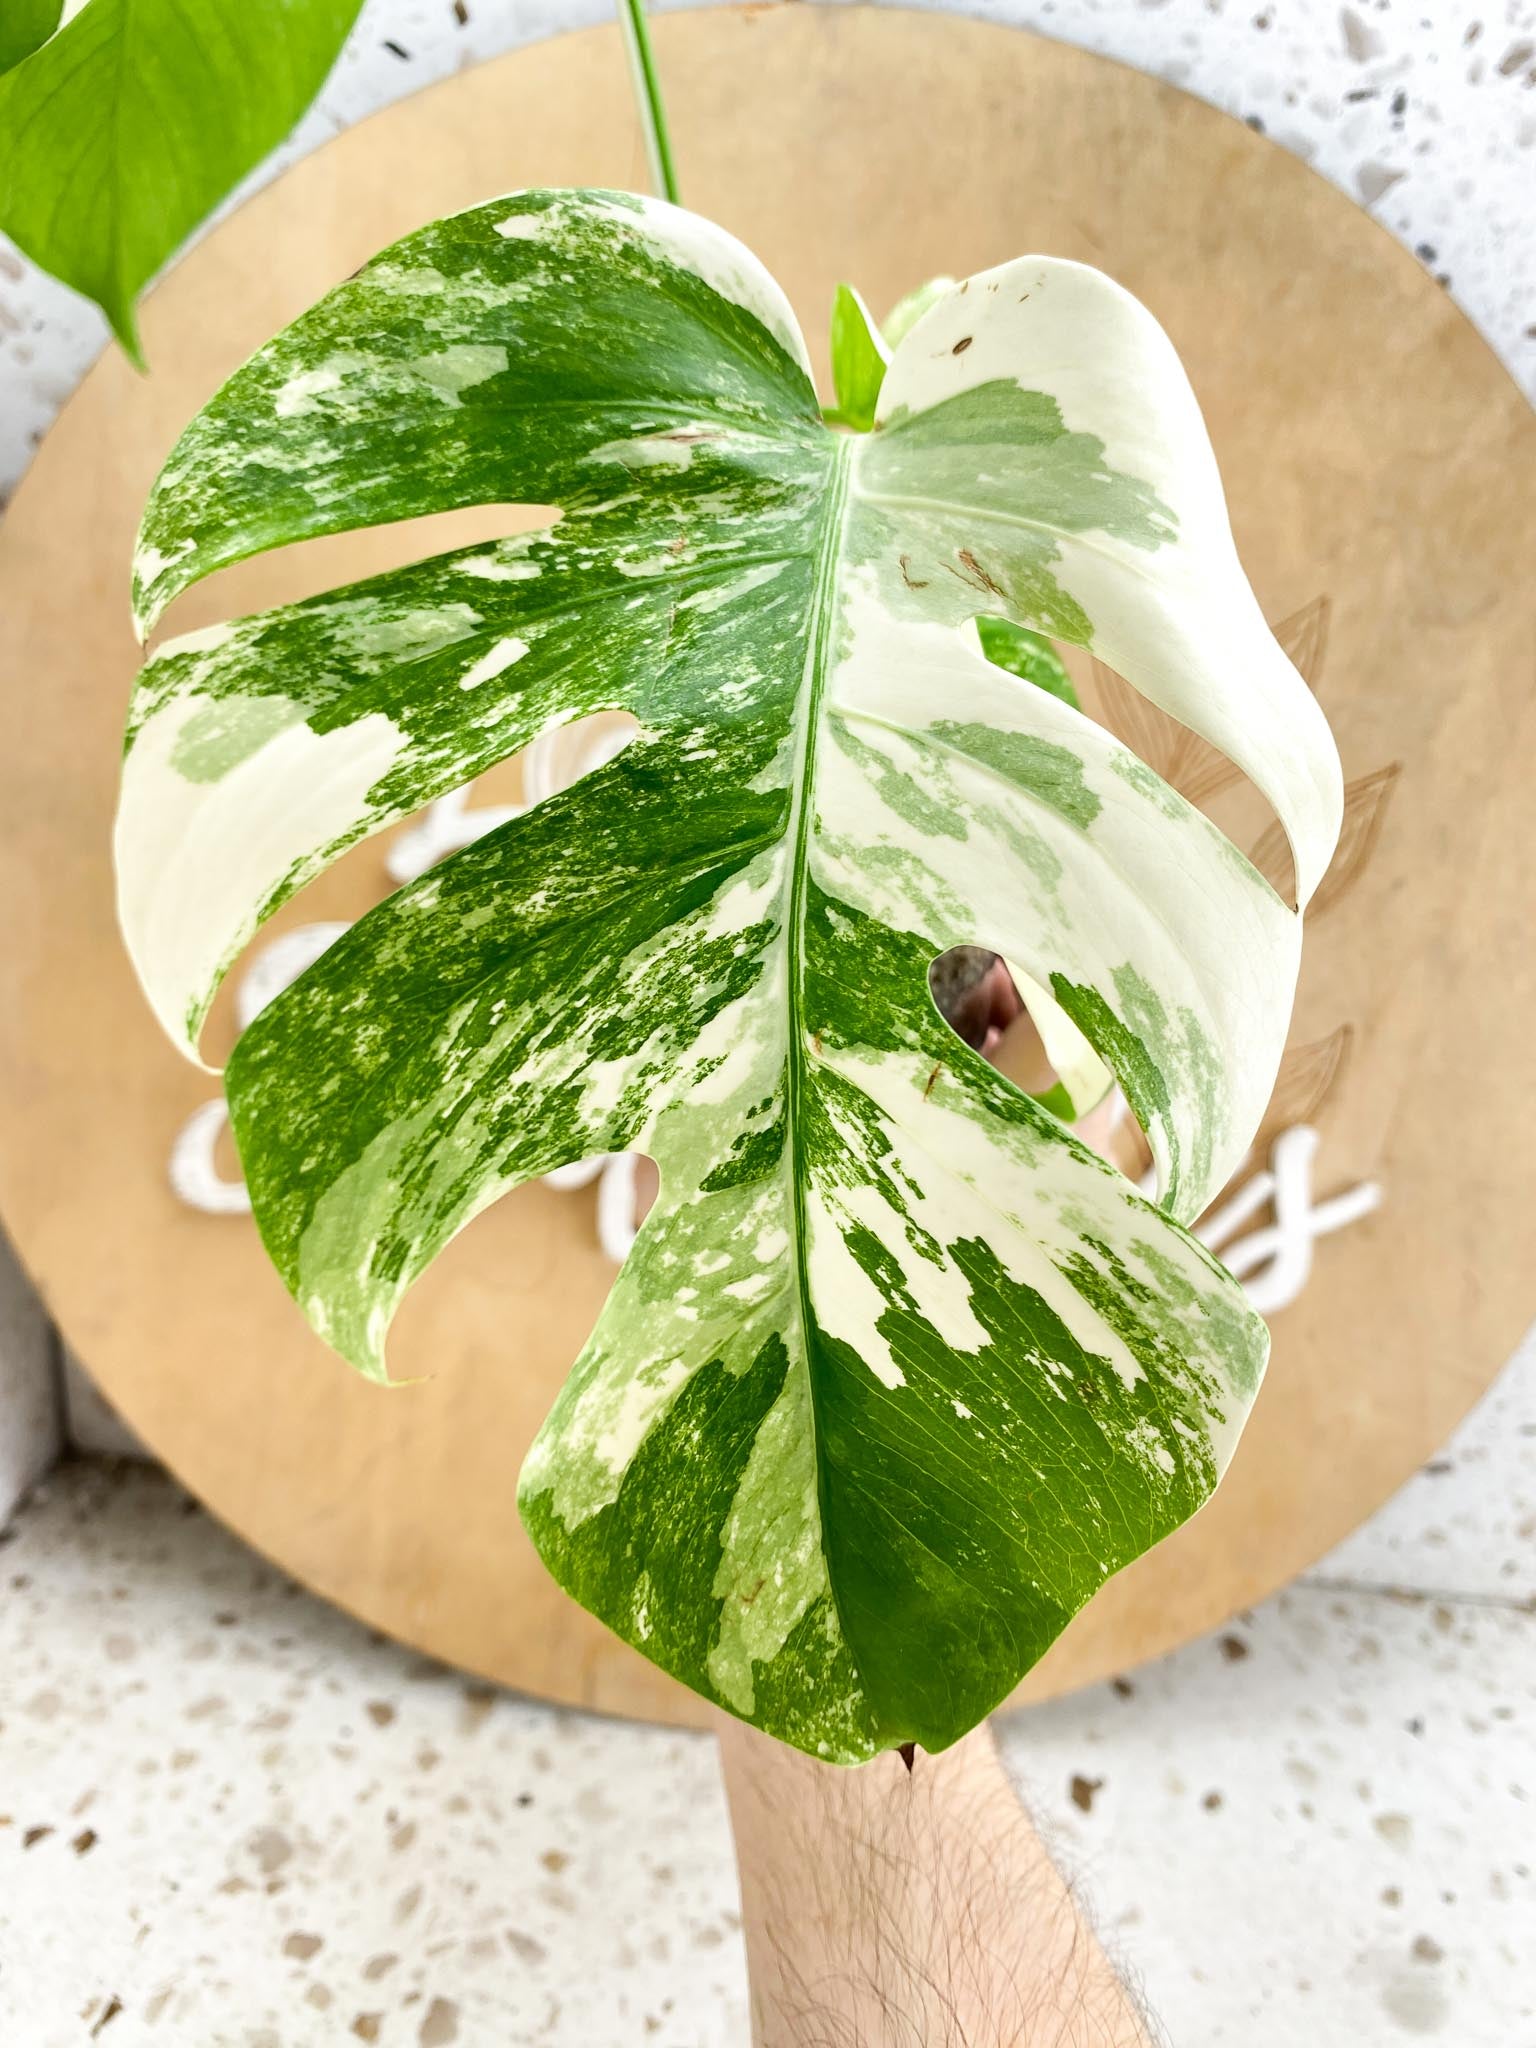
x=653 y=113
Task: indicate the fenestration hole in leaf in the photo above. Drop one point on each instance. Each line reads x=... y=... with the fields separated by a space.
x=977 y=996
x=533 y=1232
x=316 y=568
x=565 y=754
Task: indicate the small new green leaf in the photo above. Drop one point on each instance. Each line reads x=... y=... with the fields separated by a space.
x=25 y=25
x=859 y=358
x=898 y=1372
x=125 y=131
x=1026 y=654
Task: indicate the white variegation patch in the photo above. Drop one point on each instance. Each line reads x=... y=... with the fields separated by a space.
x=496 y=661
x=1183 y=627
x=964 y=1178
x=196 y=866
x=772 y=1566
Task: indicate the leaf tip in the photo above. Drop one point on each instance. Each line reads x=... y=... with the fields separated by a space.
x=125 y=329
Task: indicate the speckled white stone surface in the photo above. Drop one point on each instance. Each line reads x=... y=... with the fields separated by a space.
x=230 y=1810
x=1316 y=1826
x=231 y=1819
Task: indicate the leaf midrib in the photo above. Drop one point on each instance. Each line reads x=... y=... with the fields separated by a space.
x=823 y=613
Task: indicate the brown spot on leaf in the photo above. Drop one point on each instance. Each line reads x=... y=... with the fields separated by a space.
x=554 y=1861
x=109 y=2012
x=84 y=1842
x=1082 y=1790
x=977 y=575
x=366 y=2025
x=1233 y=1648
x=928 y=1086
x=302 y=1946
x=912 y=582
x=380 y=1713
x=35 y=1835
x=962 y=345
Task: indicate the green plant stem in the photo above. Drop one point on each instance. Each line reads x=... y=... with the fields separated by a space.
x=653 y=113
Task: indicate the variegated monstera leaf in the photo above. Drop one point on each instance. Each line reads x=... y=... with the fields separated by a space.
x=898 y=1372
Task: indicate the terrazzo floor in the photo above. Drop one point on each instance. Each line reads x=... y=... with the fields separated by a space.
x=232 y=1818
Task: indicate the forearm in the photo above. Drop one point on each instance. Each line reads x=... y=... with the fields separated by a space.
x=888 y=1909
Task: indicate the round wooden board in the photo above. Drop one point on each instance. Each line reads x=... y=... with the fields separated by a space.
x=1377 y=459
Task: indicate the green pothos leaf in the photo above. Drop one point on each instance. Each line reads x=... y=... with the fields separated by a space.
x=128 y=128
x=25 y=25
x=898 y=1372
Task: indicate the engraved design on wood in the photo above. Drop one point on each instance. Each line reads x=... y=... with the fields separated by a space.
x=1194 y=767
x=1308 y=1077
x=1365 y=810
